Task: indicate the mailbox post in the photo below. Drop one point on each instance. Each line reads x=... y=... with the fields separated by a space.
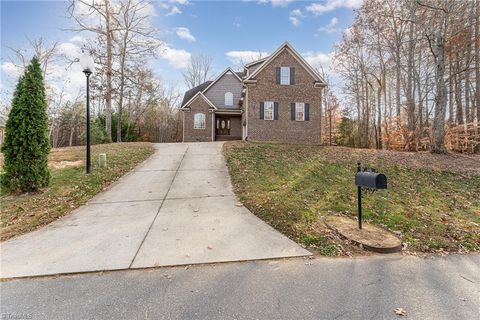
x=359 y=197
x=369 y=179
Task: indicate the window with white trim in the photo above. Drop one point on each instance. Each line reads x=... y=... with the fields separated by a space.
x=199 y=121
x=299 y=111
x=285 y=75
x=229 y=99
x=268 y=110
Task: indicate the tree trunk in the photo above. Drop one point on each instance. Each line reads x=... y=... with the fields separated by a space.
x=330 y=126
x=468 y=114
x=389 y=120
x=420 y=97
x=366 y=117
x=70 y=139
x=108 y=94
x=361 y=117
x=379 y=116
x=397 y=86
x=357 y=96
x=427 y=81
x=477 y=58
x=411 y=138
x=451 y=111
x=458 y=88
x=122 y=88
x=438 y=129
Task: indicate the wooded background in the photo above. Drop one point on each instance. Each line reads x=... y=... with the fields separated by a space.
x=123 y=88
x=410 y=75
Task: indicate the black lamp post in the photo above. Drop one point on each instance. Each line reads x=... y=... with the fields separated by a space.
x=88 y=66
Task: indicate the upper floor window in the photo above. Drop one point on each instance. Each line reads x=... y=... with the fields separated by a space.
x=229 y=99
x=300 y=111
x=285 y=75
x=199 y=121
x=268 y=110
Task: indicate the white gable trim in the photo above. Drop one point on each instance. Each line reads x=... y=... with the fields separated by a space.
x=296 y=55
x=198 y=94
x=220 y=76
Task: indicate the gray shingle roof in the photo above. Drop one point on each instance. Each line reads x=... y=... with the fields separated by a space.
x=248 y=65
x=190 y=93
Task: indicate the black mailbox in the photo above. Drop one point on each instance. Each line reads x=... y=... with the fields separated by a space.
x=371 y=180
x=368 y=179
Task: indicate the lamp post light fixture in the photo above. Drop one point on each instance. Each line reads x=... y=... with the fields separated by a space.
x=88 y=65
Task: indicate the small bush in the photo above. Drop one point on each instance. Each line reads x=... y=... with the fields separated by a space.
x=128 y=128
x=98 y=134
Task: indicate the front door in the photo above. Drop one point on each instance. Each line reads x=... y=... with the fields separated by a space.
x=223 y=126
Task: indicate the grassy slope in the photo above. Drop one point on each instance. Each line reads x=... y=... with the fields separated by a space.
x=70 y=186
x=292 y=187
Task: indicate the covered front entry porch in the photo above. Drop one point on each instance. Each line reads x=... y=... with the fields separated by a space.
x=228 y=125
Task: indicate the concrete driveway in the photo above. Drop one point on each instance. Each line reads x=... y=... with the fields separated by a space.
x=177 y=208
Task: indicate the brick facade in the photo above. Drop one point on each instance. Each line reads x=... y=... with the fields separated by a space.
x=199 y=105
x=266 y=89
x=259 y=84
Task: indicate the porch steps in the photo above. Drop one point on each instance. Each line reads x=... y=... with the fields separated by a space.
x=226 y=138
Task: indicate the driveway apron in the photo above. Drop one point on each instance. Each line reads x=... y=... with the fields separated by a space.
x=176 y=208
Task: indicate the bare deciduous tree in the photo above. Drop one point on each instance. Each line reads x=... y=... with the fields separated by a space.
x=82 y=12
x=198 y=70
x=44 y=52
x=136 y=41
x=412 y=49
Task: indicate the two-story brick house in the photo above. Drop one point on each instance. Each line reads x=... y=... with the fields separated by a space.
x=277 y=98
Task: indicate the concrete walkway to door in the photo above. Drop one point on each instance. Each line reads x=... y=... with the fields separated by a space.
x=177 y=208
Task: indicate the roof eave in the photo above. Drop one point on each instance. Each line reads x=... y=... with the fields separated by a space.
x=233 y=111
x=186 y=105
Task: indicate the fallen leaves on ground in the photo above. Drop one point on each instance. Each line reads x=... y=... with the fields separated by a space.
x=400 y=312
x=432 y=201
x=70 y=187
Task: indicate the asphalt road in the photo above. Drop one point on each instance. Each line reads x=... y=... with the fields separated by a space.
x=297 y=288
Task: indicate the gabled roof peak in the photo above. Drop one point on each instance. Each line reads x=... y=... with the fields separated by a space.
x=300 y=59
x=202 y=88
x=220 y=76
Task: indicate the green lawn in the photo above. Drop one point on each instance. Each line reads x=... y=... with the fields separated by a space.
x=70 y=187
x=432 y=203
